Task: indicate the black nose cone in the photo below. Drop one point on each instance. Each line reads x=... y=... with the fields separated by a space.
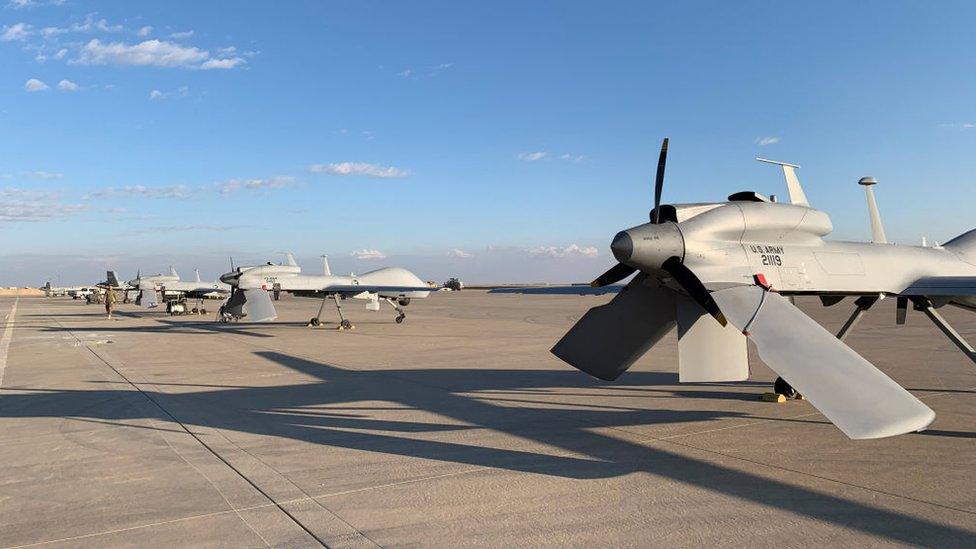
x=622 y=246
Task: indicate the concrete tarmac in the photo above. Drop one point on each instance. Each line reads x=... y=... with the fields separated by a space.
x=456 y=428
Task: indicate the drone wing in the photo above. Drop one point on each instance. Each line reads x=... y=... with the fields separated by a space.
x=573 y=289
x=857 y=397
x=385 y=290
x=942 y=286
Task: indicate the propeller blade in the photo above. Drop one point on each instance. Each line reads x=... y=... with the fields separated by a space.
x=690 y=282
x=659 y=180
x=616 y=273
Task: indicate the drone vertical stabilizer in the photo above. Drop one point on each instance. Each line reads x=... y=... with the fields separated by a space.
x=172 y=272
x=325 y=266
x=290 y=259
x=708 y=351
x=797 y=196
x=197 y=271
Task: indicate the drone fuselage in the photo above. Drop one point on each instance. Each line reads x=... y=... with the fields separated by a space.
x=729 y=243
x=314 y=285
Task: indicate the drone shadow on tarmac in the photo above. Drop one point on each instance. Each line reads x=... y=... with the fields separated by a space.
x=295 y=411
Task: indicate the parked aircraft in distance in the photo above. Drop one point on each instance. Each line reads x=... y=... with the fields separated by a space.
x=249 y=300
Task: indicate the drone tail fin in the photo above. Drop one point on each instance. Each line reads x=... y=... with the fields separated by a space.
x=797 y=196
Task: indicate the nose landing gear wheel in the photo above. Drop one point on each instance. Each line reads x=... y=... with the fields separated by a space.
x=315 y=322
x=785 y=389
x=345 y=325
x=399 y=319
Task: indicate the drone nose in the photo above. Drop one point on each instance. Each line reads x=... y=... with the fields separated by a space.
x=622 y=246
x=648 y=246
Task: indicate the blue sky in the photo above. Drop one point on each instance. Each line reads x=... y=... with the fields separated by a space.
x=502 y=141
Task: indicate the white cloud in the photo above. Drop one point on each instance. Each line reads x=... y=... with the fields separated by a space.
x=181 y=35
x=139 y=191
x=368 y=254
x=768 y=140
x=51 y=32
x=187 y=228
x=459 y=253
x=405 y=73
x=573 y=250
x=181 y=91
x=34 y=85
x=18 y=32
x=359 y=169
x=91 y=24
x=228 y=63
x=228 y=187
x=67 y=85
x=144 y=31
x=23 y=205
x=155 y=53
x=44 y=175
x=532 y=156
x=61 y=53
x=959 y=125
x=545 y=155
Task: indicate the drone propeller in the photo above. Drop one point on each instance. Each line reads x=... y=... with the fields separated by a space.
x=616 y=273
x=620 y=271
x=662 y=161
x=693 y=285
x=644 y=310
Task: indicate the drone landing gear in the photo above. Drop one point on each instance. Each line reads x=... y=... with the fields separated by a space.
x=401 y=316
x=198 y=309
x=344 y=324
x=923 y=304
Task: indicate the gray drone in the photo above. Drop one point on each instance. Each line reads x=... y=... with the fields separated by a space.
x=724 y=272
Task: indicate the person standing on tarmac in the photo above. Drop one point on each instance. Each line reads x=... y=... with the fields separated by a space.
x=109 y=301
